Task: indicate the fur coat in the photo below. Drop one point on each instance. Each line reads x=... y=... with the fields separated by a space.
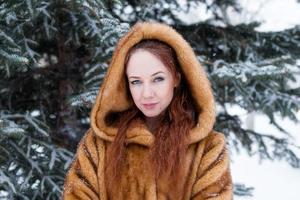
x=206 y=168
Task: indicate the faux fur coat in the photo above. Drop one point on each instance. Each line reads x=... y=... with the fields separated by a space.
x=206 y=167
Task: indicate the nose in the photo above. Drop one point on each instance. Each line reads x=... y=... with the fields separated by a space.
x=147 y=92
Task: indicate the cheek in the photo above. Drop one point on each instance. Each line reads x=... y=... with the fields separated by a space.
x=134 y=93
x=166 y=92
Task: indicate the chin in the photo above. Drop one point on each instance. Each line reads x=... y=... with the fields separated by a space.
x=151 y=114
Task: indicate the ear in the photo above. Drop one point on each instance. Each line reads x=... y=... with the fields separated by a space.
x=178 y=79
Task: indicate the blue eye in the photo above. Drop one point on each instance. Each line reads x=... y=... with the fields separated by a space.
x=158 y=79
x=135 y=82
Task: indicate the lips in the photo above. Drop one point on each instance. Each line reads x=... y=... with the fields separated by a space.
x=149 y=105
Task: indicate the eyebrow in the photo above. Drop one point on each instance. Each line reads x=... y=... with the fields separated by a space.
x=151 y=75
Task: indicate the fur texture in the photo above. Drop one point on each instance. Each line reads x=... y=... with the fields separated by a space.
x=206 y=168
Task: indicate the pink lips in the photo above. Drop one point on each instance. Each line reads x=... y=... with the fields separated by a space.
x=150 y=105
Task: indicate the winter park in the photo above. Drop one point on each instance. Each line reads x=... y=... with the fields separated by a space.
x=55 y=55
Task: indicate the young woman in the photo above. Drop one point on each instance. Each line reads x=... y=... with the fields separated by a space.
x=151 y=134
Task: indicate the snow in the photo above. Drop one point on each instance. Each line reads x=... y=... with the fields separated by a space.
x=195 y=13
x=271 y=180
x=35 y=113
x=274 y=180
x=276 y=15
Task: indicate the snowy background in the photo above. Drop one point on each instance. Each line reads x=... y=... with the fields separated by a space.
x=275 y=180
x=272 y=179
x=29 y=169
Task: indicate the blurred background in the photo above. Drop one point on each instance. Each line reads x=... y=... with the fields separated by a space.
x=55 y=53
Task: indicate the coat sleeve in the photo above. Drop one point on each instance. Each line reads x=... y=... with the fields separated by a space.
x=81 y=181
x=213 y=180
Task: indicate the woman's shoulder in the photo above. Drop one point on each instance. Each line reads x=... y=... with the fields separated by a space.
x=90 y=134
x=216 y=136
x=90 y=140
x=215 y=139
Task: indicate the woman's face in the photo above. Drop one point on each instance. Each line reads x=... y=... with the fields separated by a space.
x=151 y=84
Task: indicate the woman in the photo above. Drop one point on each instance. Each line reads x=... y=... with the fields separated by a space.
x=151 y=134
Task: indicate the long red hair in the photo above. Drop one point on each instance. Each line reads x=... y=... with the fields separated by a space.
x=169 y=148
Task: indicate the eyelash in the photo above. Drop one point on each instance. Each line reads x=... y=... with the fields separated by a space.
x=157 y=78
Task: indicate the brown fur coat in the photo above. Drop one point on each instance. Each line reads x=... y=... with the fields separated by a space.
x=206 y=168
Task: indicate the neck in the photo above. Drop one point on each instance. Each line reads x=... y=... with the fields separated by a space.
x=153 y=122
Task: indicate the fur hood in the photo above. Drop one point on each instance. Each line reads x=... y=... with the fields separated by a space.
x=112 y=95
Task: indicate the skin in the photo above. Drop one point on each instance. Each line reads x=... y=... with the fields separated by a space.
x=150 y=81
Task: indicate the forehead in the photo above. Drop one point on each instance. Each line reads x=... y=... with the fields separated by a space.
x=144 y=63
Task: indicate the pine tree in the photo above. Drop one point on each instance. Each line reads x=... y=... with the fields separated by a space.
x=54 y=55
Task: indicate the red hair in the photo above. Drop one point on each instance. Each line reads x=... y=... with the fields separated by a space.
x=168 y=151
